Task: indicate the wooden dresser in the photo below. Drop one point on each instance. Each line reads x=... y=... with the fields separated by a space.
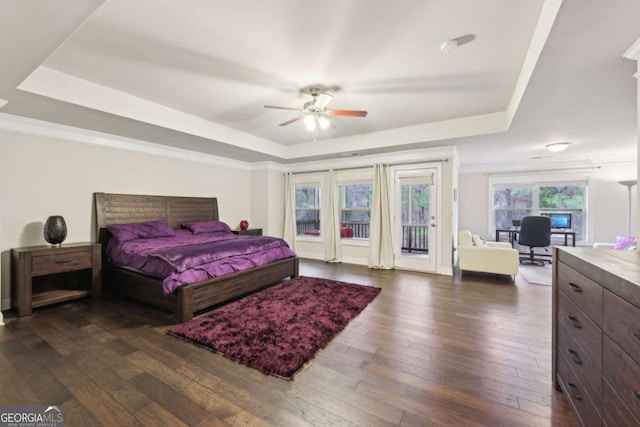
x=596 y=333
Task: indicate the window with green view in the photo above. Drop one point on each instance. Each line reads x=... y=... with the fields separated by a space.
x=515 y=201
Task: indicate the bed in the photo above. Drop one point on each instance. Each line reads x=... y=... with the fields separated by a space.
x=187 y=299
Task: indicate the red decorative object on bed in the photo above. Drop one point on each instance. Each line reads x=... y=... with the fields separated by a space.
x=145 y=258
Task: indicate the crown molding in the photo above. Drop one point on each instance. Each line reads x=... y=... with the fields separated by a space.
x=30 y=126
x=268 y=166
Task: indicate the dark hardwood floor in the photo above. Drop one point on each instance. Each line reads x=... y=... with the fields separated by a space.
x=428 y=351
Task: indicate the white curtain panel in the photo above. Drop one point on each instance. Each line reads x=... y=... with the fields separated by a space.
x=333 y=248
x=380 y=241
x=289 y=232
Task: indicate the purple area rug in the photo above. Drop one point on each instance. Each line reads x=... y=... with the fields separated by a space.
x=279 y=329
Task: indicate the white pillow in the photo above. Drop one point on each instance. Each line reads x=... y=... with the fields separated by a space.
x=477 y=241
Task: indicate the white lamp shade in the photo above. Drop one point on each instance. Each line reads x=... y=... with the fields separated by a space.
x=310 y=123
x=323 y=122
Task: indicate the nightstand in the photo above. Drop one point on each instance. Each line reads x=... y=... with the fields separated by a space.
x=248 y=232
x=43 y=275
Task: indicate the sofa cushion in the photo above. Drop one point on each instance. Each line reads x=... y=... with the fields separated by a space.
x=464 y=238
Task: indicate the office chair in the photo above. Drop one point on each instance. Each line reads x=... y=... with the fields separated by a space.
x=535 y=232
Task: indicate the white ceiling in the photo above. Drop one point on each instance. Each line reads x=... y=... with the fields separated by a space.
x=196 y=74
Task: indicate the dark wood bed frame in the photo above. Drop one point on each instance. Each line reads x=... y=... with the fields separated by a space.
x=188 y=299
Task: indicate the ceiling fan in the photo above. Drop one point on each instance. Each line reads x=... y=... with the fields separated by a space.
x=315 y=112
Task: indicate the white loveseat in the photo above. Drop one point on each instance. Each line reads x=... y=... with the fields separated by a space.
x=488 y=257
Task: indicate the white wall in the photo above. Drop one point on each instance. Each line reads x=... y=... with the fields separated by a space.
x=41 y=176
x=267 y=199
x=607 y=202
x=473 y=204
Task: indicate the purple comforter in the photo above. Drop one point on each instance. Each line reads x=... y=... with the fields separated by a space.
x=190 y=258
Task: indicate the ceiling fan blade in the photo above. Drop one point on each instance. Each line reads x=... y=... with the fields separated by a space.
x=281 y=108
x=288 y=122
x=349 y=113
x=322 y=101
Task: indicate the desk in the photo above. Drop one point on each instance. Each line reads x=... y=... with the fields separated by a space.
x=513 y=235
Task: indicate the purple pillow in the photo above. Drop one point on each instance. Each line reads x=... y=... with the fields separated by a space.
x=212 y=226
x=141 y=230
x=623 y=243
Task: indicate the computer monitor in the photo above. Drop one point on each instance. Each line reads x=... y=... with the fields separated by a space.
x=559 y=220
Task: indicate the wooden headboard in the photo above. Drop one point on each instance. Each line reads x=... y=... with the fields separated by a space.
x=128 y=208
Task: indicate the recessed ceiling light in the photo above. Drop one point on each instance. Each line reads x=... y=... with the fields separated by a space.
x=557 y=146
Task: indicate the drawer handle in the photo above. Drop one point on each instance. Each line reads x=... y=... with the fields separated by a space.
x=63 y=261
x=574 y=391
x=636 y=335
x=636 y=394
x=575 y=357
x=575 y=287
x=575 y=322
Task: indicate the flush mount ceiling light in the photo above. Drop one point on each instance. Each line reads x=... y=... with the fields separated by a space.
x=557 y=146
x=449 y=46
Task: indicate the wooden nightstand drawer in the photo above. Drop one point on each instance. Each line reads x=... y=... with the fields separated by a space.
x=582 y=291
x=59 y=262
x=248 y=232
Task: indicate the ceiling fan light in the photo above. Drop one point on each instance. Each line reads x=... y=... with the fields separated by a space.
x=323 y=100
x=557 y=146
x=323 y=122
x=310 y=123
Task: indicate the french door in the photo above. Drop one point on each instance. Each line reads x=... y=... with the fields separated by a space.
x=415 y=219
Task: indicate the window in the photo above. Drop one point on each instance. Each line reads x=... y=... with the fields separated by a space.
x=355 y=209
x=565 y=199
x=414 y=212
x=514 y=201
x=511 y=202
x=308 y=210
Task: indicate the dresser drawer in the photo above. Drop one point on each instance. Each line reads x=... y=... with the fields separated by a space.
x=63 y=261
x=582 y=291
x=614 y=412
x=623 y=374
x=575 y=392
x=581 y=363
x=583 y=330
x=622 y=324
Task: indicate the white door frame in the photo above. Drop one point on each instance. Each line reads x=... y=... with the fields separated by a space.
x=428 y=262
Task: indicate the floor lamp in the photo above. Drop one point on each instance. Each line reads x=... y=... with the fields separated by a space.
x=629 y=183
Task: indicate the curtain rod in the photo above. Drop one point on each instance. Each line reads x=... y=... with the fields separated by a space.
x=517 y=172
x=370 y=166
